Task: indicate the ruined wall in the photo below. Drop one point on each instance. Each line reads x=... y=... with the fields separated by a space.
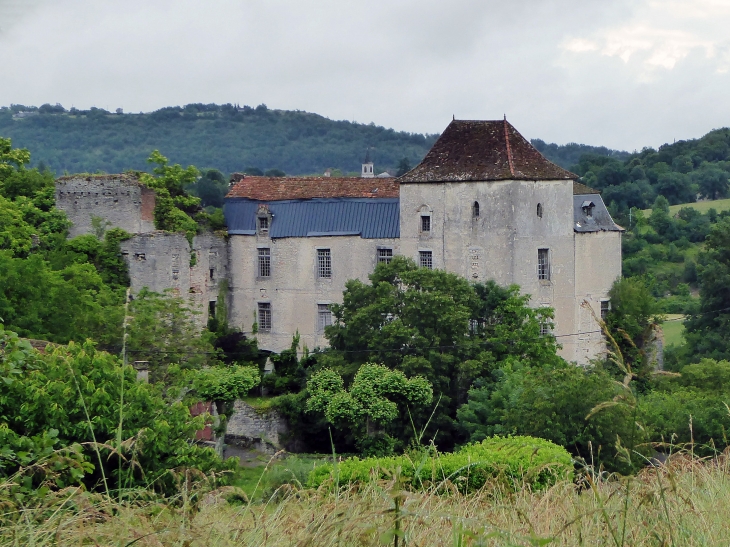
x=252 y=424
x=120 y=200
x=502 y=242
x=293 y=289
x=162 y=260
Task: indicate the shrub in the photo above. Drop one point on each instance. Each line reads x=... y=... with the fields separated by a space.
x=514 y=460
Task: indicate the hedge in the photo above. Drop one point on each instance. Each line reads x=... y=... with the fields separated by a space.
x=515 y=461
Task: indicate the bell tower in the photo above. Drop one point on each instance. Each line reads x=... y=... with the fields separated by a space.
x=367 y=167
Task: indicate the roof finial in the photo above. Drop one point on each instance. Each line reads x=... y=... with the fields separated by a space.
x=453 y=117
x=505 y=117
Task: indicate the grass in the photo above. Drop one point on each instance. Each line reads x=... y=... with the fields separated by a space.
x=673 y=330
x=685 y=503
x=702 y=206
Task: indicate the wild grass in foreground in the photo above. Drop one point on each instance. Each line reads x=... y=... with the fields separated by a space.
x=685 y=503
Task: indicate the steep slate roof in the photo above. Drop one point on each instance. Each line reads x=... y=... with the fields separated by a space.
x=281 y=188
x=580 y=189
x=472 y=150
x=599 y=219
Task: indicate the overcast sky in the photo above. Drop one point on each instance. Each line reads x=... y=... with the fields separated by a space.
x=619 y=73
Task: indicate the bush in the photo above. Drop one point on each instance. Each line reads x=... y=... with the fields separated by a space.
x=517 y=461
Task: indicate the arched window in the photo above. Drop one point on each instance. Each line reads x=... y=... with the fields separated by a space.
x=475 y=209
x=539 y=210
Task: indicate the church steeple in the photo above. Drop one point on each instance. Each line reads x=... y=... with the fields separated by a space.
x=367 y=167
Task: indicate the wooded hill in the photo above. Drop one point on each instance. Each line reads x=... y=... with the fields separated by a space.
x=224 y=137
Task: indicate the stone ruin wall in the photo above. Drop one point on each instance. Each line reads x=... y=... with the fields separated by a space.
x=121 y=200
x=263 y=430
x=162 y=260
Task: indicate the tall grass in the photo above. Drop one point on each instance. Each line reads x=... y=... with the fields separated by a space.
x=684 y=503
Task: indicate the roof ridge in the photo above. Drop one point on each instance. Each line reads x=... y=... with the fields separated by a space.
x=509 y=151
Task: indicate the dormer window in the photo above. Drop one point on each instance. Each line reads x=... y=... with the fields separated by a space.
x=587 y=207
x=263 y=220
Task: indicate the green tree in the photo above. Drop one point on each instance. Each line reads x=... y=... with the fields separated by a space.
x=162 y=331
x=554 y=403
x=73 y=396
x=707 y=331
x=404 y=165
x=437 y=325
x=376 y=398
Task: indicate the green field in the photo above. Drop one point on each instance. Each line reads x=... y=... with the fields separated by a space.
x=673 y=329
x=701 y=206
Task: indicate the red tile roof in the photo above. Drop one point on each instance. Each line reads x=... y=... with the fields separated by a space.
x=281 y=188
x=484 y=150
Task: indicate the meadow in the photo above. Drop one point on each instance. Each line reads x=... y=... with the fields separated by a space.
x=685 y=502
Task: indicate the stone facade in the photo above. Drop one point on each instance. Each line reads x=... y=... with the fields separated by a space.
x=120 y=201
x=293 y=290
x=163 y=260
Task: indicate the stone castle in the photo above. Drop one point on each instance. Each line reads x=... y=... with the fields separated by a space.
x=484 y=204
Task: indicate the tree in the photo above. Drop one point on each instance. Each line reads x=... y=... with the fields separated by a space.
x=404 y=165
x=554 y=403
x=712 y=181
x=11 y=159
x=162 y=331
x=707 y=330
x=376 y=398
x=437 y=325
x=71 y=396
x=223 y=385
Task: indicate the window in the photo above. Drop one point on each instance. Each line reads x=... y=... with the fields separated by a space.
x=544 y=328
x=324 y=264
x=475 y=210
x=324 y=317
x=211 y=309
x=263 y=225
x=212 y=274
x=265 y=262
x=264 y=316
x=385 y=255
x=425 y=259
x=425 y=223
x=605 y=308
x=539 y=210
x=543 y=264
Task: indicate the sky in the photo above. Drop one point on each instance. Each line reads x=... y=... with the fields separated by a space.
x=619 y=73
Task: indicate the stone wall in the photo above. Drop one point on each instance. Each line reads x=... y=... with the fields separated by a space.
x=256 y=427
x=162 y=260
x=119 y=200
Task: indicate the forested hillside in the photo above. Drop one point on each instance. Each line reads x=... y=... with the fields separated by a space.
x=226 y=137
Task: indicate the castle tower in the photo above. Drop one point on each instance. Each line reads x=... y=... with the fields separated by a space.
x=367 y=167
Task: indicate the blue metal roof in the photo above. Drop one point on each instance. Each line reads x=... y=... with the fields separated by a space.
x=370 y=218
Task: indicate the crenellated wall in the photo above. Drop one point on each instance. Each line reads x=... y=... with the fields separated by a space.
x=119 y=200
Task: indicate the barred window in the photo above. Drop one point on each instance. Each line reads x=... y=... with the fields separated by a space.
x=605 y=308
x=425 y=259
x=543 y=264
x=265 y=262
x=324 y=317
x=324 y=263
x=385 y=255
x=264 y=316
x=425 y=223
x=544 y=328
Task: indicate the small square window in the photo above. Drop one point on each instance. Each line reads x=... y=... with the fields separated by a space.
x=264 y=316
x=605 y=308
x=324 y=317
x=425 y=259
x=324 y=264
x=265 y=262
x=385 y=255
x=543 y=264
x=425 y=223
